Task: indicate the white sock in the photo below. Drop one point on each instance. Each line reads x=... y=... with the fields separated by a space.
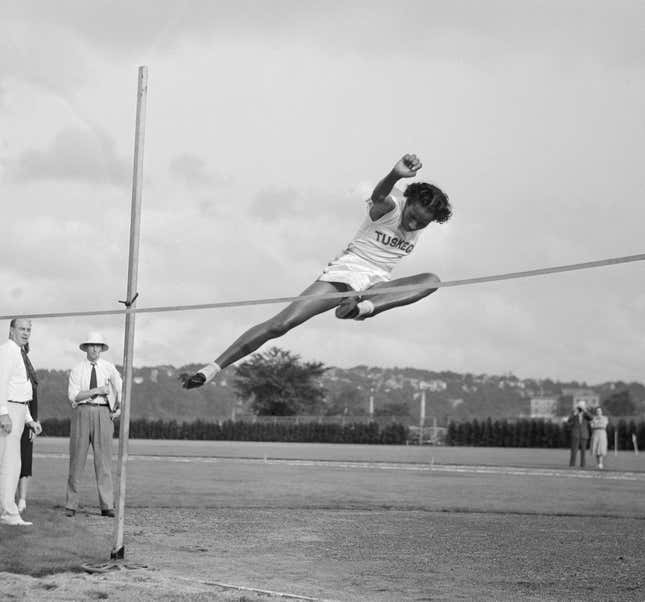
x=365 y=308
x=210 y=371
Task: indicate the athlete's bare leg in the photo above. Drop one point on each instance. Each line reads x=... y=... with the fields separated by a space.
x=291 y=316
x=382 y=302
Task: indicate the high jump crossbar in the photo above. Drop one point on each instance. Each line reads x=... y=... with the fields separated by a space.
x=384 y=289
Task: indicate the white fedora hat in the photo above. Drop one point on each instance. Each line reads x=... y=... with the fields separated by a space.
x=94 y=338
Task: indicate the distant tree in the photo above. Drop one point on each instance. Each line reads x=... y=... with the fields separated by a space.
x=348 y=397
x=620 y=404
x=451 y=434
x=497 y=438
x=476 y=432
x=532 y=434
x=507 y=434
x=487 y=433
x=279 y=384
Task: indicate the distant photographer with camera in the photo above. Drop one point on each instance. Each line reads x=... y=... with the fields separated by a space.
x=579 y=422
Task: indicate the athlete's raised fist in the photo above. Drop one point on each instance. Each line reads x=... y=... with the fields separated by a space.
x=407 y=166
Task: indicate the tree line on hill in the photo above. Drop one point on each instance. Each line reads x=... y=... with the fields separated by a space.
x=279 y=383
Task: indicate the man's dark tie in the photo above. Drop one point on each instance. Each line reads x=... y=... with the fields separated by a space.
x=31 y=375
x=93 y=384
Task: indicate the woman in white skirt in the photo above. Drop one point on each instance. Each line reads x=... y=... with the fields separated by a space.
x=599 y=436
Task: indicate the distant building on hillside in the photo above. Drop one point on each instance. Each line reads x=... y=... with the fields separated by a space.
x=394 y=382
x=544 y=407
x=433 y=385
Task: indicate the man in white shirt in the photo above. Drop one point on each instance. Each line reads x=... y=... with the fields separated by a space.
x=15 y=395
x=94 y=391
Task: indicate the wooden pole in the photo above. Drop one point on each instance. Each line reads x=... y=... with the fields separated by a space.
x=118 y=550
x=422 y=415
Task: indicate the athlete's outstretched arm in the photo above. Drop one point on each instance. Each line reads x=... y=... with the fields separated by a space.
x=406 y=167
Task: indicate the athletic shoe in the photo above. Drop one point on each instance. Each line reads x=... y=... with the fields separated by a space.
x=191 y=381
x=22 y=505
x=14 y=520
x=348 y=308
x=109 y=512
x=70 y=512
x=201 y=377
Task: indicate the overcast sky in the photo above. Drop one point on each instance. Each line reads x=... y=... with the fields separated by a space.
x=268 y=123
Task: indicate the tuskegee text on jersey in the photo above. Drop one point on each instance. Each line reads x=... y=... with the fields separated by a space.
x=392 y=241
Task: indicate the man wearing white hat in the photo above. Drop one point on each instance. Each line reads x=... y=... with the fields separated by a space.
x=94 y=391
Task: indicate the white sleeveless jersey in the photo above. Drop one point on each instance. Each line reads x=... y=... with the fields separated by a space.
x=383 y=242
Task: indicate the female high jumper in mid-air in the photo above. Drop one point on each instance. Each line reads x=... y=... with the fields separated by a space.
x=389 y=233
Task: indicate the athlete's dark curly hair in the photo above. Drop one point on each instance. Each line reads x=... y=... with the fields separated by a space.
x=432 y=196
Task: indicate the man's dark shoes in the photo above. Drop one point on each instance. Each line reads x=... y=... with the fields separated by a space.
x=70 y=512
x=348 y=308
x=193 y=381
x=108 y=512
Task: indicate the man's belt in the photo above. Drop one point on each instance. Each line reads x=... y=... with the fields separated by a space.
x=20 y=402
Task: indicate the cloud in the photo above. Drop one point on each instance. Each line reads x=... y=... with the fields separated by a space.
x=193 y=171
x=39 y=252
x=44 y=54
x=74 y=154
x=272 y=204
x=369 y=28
x=312 y=225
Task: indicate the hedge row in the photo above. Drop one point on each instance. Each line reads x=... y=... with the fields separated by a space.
x=535 y=433
x=310 y=432
x=480 y=433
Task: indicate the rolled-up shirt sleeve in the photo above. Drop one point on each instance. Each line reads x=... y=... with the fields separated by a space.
x=5 y=368
x=118 y=383
x=74 y=384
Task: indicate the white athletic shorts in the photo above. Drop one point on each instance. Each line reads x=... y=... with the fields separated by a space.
x=358 y=273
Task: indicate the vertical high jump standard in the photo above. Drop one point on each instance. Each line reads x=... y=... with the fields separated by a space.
x=118 y=550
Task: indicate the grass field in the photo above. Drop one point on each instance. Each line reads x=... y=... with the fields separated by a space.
x=337 y=522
